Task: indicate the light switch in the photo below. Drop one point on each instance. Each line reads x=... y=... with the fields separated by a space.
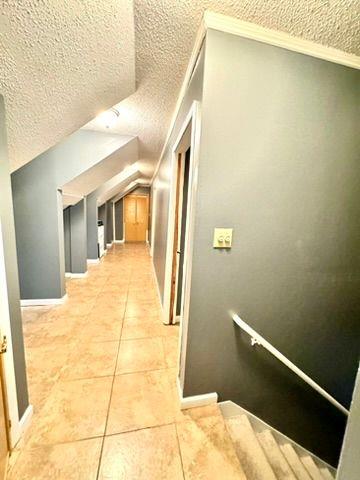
x=222 y=237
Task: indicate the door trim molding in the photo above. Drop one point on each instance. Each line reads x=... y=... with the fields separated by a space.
x=192 y=117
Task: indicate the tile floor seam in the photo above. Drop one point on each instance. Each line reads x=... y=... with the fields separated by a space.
x=143 y=371
x=179 y=448
x=111 y=393
x=140 y=429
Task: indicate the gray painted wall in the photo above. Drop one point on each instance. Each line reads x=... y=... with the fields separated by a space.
x=119 y=219
x=78 y=237
x=349 y=466
x=92 y=227
x=161 y=184
x=38 y=207
x=141 y=191
x=102 y=215
x=109 y=222
x=75 y=242
x=279 y=163
x=7 y=221
x=67 y=239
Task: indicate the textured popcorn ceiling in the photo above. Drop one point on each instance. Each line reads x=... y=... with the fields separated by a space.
x=61 y=63
x=64 y=79
x=165 y=32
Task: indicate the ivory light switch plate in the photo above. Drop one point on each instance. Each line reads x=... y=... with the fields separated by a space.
x=222 y=237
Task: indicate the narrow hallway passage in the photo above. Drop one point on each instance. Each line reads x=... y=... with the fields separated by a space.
x=102 y=378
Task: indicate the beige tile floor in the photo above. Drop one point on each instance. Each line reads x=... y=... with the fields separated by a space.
x=101 y=371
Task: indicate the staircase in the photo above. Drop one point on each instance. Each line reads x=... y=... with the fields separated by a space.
x=265 y=454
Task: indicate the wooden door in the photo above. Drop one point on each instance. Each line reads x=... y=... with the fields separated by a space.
x=141 y=218
x=130 y=218
x=4 y=440
x=136 y=213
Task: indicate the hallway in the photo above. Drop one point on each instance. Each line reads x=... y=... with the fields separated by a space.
x=102 y=378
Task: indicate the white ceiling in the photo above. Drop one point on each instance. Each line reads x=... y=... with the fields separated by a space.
x=61 y=62
x=165 y=32
x=64 y=61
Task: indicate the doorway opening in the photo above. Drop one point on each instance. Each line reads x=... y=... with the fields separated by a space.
x=180 y=223
x=184 y=173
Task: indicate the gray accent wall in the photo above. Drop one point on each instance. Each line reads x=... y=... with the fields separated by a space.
x=67 y=239
x=38 y=208
x=102 y=216
x=92 y=227
x=78 y=237
x=141 y=191
x=8 y=228
x=109 y=222
x=279 y=163
x=119 y=220
x=75 y=242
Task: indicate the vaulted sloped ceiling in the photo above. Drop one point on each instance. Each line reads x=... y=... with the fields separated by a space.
x=165 y=32
x=66 y=60
x=61 y=62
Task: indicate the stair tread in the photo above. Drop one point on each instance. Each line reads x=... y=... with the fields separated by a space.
x=311 y=467
x=325 y=472
x=206 y=446
x=276 y=458
x=295 y=462
x=251 y=455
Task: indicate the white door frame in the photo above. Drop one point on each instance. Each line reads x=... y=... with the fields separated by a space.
x=177 y=318
x=194 y=118
x=17 y=425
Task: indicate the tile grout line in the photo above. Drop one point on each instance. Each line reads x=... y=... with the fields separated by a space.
x=179 y=448
x=112 y=389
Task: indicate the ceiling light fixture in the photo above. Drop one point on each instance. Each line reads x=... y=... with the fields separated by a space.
x=109 y=117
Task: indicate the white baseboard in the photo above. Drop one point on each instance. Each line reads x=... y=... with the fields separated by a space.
x=93 y=261
x=119 y=241
x=34 y=302
x=67 y=275
x=79 y=275
x=195 y=400
x=23 y=424
x=109 y=245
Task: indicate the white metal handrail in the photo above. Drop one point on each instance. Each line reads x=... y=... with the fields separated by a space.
x=257 y=339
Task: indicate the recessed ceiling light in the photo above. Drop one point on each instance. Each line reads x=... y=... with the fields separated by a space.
x=109 y=117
